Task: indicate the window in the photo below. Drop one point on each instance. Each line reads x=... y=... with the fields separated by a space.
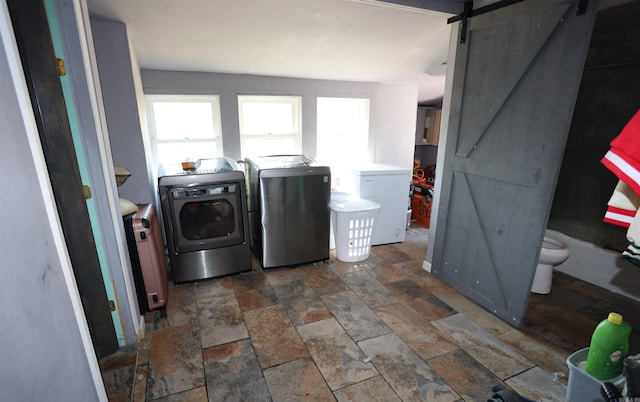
x=270 y=125
x=184 y=126
x=342 y=131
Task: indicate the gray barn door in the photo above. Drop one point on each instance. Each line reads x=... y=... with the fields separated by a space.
x=515 y=81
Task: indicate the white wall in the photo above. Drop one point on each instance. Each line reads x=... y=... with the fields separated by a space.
x=46 y=352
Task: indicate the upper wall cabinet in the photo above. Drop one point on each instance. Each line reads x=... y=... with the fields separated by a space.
x=428 y=125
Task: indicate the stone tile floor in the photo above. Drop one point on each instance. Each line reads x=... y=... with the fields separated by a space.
x=379 y=330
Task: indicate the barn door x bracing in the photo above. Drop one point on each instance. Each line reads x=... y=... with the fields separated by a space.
x=515 y=82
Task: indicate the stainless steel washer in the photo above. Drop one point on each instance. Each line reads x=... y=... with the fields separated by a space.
x=288 y=209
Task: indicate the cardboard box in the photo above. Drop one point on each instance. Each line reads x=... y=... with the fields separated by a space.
x=421 y=209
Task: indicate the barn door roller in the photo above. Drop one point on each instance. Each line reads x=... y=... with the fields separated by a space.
x=469 y=12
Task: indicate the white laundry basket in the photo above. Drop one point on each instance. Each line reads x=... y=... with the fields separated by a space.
x=336 y=196
x=354 y=222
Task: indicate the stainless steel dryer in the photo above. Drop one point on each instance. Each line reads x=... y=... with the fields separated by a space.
x=204 y=214
x=288 y=200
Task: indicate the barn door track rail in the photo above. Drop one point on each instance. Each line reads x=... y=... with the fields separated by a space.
x=469 y=12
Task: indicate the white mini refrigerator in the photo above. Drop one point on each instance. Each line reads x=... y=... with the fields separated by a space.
x=387 y=185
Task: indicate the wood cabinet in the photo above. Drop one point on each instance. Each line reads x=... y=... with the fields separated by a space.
x=420 y=122
x=432 y=126
x=428 y=125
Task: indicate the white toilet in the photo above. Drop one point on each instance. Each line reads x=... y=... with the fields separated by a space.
x=553 y=252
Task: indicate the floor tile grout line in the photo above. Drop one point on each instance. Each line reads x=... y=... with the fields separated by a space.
x=135 y=371
x=204 y=371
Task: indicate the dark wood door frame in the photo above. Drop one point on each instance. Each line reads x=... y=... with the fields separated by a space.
x=35 y=45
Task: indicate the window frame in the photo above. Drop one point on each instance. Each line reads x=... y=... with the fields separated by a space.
x=213 y=100
x=294 y=100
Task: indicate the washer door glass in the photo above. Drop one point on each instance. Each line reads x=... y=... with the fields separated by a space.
x=206 y=217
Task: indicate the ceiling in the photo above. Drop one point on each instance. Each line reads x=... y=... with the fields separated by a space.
x=352 y=40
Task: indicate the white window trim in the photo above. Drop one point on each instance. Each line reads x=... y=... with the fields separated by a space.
x=214 y=100
x=293 y=100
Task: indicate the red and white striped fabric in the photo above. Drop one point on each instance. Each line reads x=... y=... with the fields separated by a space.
x=623 y=158
x=622 y=205
x=619 y=216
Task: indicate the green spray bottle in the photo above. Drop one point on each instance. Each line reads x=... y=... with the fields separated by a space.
x=609 y=347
